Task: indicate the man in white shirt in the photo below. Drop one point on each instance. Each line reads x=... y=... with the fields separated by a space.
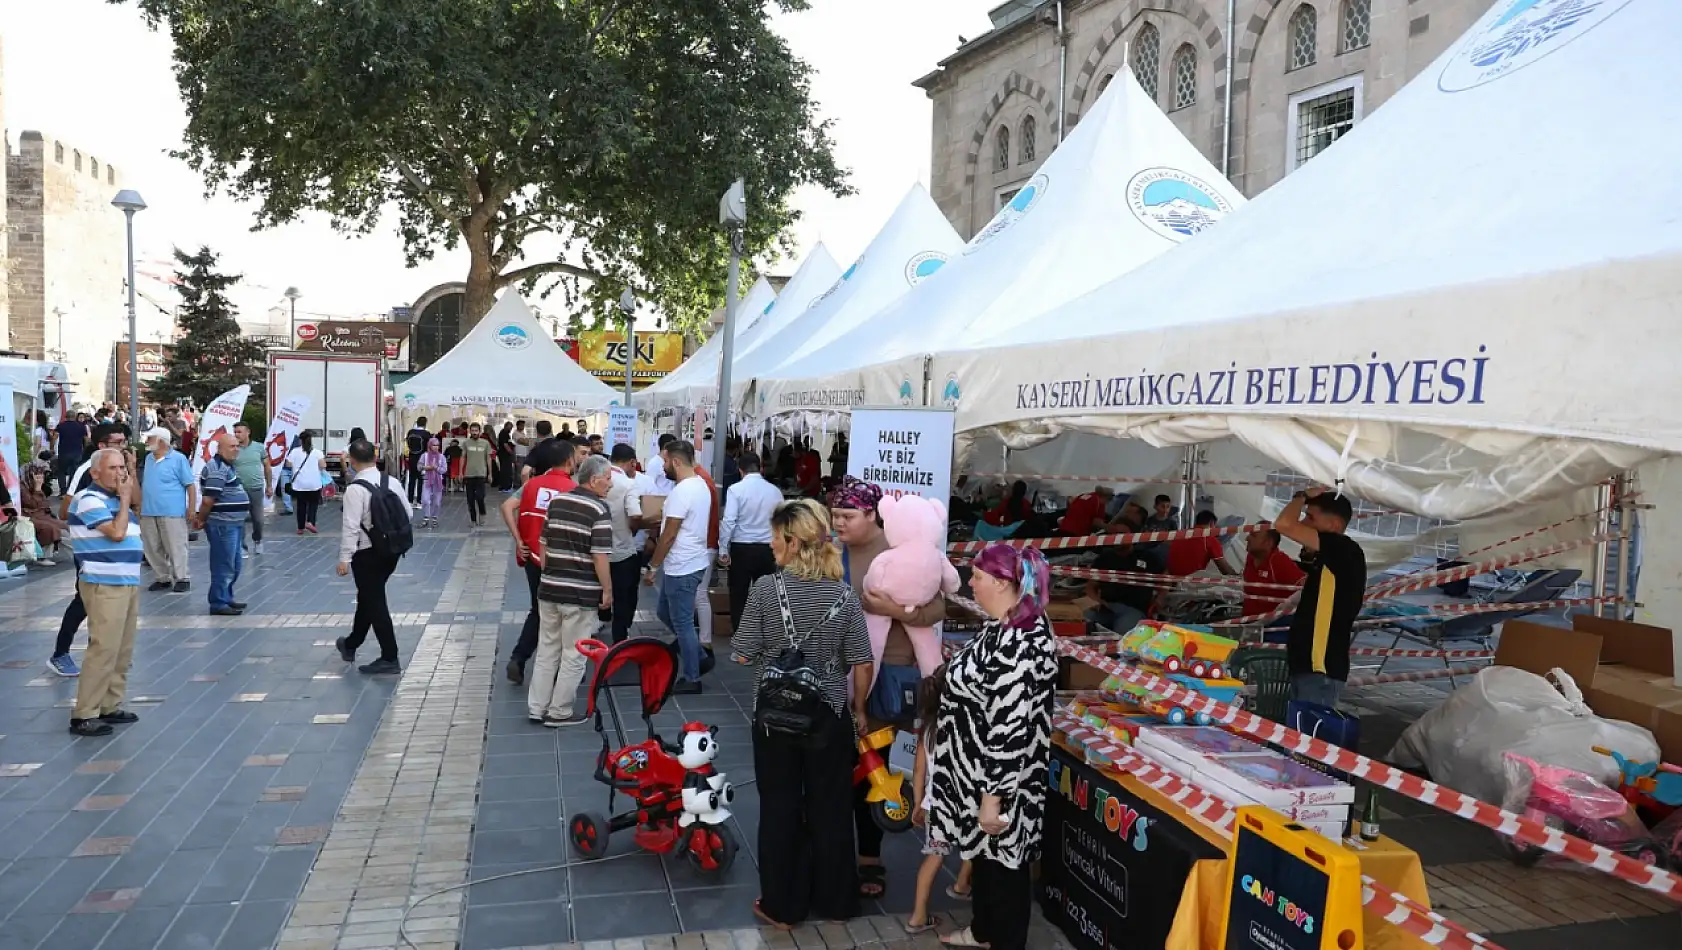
x=371 y=568
x=683 y=558
x=624 y=506
x=744 y=536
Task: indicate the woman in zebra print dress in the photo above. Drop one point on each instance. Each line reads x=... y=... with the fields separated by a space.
x=992 y=742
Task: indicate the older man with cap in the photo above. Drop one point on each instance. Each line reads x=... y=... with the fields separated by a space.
x=167 y=494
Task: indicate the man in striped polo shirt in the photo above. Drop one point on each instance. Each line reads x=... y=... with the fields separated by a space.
x=222 y=516
x=576 y=584
x=105 y=539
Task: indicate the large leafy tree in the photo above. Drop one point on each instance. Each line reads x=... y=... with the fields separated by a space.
x=613 y=125
x=211 y=356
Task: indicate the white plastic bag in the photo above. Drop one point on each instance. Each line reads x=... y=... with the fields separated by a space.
x=1461 y=742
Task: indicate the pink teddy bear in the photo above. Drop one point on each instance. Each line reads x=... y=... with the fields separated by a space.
x=911 y=572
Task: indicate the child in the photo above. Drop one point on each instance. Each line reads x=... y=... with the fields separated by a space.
x=456 y=460
x=934 y=851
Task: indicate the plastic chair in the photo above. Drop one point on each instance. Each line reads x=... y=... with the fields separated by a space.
x=1269 y=671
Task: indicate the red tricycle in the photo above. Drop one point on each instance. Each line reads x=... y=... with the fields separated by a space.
x=682 y=804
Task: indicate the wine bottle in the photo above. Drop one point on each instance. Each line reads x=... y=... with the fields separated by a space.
x=1369 y=818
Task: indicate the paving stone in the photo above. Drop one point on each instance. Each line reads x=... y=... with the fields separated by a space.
x=102 y=846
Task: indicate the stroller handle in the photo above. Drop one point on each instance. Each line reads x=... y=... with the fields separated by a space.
x=591 y=648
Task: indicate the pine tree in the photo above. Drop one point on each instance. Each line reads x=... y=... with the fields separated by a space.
x=211 y=357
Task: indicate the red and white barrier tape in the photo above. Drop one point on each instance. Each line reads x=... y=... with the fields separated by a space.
x=1386 y=651
x=1421 y=581
x=1133 y=479
x=1531 y=534
x=1104 y=540
x=1395 y=909
x=1144 y=578
x=1414 y=676
x=1508 y=824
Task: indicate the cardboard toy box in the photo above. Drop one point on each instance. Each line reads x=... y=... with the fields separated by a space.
x=1271 y=779
x=1624 y=669
x=653 y=506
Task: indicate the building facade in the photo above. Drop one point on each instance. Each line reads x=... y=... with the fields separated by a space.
x=1303 y=72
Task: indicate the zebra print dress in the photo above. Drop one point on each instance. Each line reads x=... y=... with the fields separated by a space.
x=993 y=736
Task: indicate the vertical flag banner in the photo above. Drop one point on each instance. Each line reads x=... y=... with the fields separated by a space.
x=224 y=411
x=288 y=421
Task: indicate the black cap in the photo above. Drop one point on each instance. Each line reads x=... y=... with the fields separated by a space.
x=624 y=453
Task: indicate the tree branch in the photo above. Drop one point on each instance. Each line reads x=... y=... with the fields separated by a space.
x=423 y=191
x=607 y=17
x=529 y=271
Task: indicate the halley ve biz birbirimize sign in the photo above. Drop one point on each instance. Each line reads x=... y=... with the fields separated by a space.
x=903 y=451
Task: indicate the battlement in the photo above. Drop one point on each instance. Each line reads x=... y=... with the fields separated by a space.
x=39 y=149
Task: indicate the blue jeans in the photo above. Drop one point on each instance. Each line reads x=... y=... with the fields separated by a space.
x=1316 y=688
x=676 y=610
x=282 y=479
x=225 y=540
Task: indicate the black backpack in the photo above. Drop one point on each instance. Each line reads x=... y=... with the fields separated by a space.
x=417 y=444
x=391 y=529
x=791 y=697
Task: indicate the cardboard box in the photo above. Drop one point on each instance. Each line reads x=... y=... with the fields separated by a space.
x=720 y=597
x=1064 y=610
x=1073 y=674
x=653 y=506
x=722 y=627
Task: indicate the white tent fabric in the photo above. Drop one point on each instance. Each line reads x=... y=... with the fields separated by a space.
x=1123 y=187
x=695 y=383
x=1445 y=308
x=507 y=363
x=916 y=241
x=815 y=276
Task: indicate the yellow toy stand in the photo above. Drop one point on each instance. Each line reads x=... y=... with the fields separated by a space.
x=1289 y=888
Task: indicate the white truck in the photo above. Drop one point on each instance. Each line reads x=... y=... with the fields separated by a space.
x=37 y=385
x=345 y=393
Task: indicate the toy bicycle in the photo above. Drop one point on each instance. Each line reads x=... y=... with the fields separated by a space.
x=887 y=796
x=1652 y=787
x=682 y=804
x=1568 y=799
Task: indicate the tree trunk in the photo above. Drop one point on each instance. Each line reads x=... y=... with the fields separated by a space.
x=481 y=284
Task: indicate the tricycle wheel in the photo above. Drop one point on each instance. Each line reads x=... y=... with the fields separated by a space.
x=588 y=833
x=712 y=849
x=1523 y=855
x=891 y=816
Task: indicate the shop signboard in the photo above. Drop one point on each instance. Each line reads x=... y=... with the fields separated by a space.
x=903 y=451
x=151 y=358
x=602 y=354
x=1113 y=868
x=357 y=338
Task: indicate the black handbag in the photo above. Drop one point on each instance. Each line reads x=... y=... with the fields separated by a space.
x=893 y=699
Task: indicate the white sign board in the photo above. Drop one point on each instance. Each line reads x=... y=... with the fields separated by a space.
x=903 y=451
x=621 y=427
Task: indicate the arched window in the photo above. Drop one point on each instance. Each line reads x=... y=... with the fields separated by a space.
x=1001 y=149
x=1185 y=76
x=1357 y=24
x=1147 y=58
x=95 y=166
x=1104 y=83
x=438 y=329
x=58 y=152
x=78 y=154
x=1027 y=144
x=110 y=175
x=1303 y=25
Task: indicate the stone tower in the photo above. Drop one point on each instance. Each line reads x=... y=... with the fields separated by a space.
x=5 y=268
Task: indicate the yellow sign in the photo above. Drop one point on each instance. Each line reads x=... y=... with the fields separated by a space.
x=602 y=354
x=1288 y=888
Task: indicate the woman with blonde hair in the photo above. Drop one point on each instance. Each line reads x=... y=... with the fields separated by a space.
x=803 y=630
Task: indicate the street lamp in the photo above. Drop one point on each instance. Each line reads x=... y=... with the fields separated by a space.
x=130 y=201
x=292 y=295
x=733 y=214
x=628 y=306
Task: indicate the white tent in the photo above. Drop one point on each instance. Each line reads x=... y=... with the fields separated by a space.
x=1123 y=187
x=695 y=383
x=915 y=242
x=1460 y=307
x=506 y=364
x=817 y=275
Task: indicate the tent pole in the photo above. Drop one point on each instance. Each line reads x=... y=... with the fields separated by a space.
x=1226 y=97
x=1628 y=548
x=1602 y=550
x=1188 y=488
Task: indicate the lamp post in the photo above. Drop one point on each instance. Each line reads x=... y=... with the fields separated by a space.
x=130 y=202
x=733 y=214
x=628 y=306
x=292 y=295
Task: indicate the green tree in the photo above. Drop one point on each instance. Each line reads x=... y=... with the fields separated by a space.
x=211 y=357
x=612 y=125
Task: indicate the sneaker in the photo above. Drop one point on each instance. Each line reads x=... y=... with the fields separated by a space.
x=238 y=605
x=160 y=585
x=64 y=666
x=46 y=562
x=121 y=717
x=516 y=672
x=534 y=720
x=89 y=728
x=181 y=587
x=257 y=547
x=345 y=652
x=686 y=688
x=311 y=529
x=300 y=532
x=380 y=667
x=572 y=719
x=228 y=611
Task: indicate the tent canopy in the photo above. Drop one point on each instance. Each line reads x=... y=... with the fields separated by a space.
x=506 y=363
x=695 y=383
x=817 y=275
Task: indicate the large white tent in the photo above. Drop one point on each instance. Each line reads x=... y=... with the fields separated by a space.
x=695 y=383
x=506 y=364
x=1123 y=187
x=1460 y=307
x=816 y=276
x=914 y=243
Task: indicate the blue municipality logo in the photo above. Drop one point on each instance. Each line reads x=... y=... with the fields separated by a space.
x=905 y=392
x=1174 y=204
x=922 y=266
x=950 y=393
x=1020 y=204
x=512 y=336
x=1523 y=32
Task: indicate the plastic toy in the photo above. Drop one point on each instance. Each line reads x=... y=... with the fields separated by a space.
x=1654 y=787
x=887 y=795
x=1225 y=691
x=682 y=802
x=1178 y=648
x=1568 y=799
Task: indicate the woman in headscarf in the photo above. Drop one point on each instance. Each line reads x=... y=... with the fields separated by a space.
x=49 y=531
x=433 y=466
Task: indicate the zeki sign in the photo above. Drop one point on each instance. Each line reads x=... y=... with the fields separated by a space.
x=903 y=451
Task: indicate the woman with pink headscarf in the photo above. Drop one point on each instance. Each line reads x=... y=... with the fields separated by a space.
x=434 y=467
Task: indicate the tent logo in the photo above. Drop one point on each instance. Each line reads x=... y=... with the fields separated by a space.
x=905 y=391
x=950 y=393
x=1019 y=205
x=512 y=336
x=922 y=266
x=1174 y=204
x=1519 y=33
x=408 y=399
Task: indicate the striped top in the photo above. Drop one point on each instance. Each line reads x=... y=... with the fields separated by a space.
x=220 y=483
x=831 y=648
x=100 y=559
x=576 y=530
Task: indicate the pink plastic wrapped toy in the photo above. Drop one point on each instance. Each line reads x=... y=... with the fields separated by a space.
x=1578 y=805
x=911 y=572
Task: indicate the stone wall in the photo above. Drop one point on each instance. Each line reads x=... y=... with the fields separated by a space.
x=1000 y=80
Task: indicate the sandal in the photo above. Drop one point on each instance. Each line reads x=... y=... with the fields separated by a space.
x=872 y=876
x=957 y=895
x=962 y=938
x=765 y=919
x=923 y=928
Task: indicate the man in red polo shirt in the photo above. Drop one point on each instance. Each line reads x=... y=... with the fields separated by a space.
x=1086 y=513
x=1190 y=555
x=525 y=515
x=1265 y=564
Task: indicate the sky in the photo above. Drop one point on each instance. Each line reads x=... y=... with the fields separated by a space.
x=93 y=75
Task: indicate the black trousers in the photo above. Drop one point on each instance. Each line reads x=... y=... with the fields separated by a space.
x=869 y=832
x=305 y=504
x=528 y=633
x=1002 y=898
x=627 y=578
x=74 y=616
x=417 y=480
x=475 y=497
x=806 y=867
x=505 y=470
x=371 y=571
x=748 y=563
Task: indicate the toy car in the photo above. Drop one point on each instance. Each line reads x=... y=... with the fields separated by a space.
x=1224 y=691
x=1654 y=788
x=1568 y=799
x=887 y=795
x=1178 y=648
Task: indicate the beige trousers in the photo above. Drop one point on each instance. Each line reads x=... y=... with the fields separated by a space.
x=165 y=540
x=113 y=613
x=557 y=667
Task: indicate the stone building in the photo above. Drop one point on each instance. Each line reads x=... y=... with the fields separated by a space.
x=1303 y=72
